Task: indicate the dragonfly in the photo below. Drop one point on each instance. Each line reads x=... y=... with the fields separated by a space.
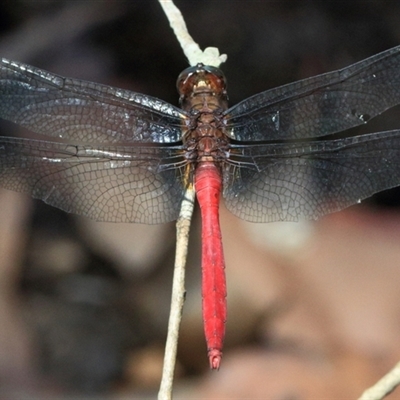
x=119 y=156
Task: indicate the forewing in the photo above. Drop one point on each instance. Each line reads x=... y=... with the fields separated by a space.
x=83 y=111
x=113 y=184
x=291 y=182
x=320 y=105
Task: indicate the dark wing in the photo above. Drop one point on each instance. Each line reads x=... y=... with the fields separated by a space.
x=83 y=111
x=115 y=184
x=294 y=181
x=320 y=105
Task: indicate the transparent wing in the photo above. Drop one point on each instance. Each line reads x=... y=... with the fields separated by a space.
x=115 y=184
x=320 y=105
x=83 y=111
x=294 y=181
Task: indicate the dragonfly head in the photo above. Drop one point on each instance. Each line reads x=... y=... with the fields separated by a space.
x=201 y=79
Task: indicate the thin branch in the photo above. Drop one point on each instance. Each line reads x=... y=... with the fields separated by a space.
x=384 y=386
x=178 y=294
x=210 y=56
x=192 y=51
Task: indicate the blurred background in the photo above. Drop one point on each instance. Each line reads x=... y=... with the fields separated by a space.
x=314 y=309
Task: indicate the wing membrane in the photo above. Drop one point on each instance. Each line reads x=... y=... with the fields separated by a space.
x=82 y=111
x=320 y=105
x=113 y=184
x=290 y=182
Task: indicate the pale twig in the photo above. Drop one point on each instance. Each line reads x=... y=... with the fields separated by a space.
x=178 y=294
x=384 y=386
x=210 y=56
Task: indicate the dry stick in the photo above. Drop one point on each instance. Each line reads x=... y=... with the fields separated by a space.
x=210 y=56
x=178 y=294
x=384 y=386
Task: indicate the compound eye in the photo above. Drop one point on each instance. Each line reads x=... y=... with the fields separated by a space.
x=190 y=77
x=216 y=72
x=184 y=78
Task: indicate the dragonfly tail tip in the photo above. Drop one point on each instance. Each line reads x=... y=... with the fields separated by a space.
x=215 y=356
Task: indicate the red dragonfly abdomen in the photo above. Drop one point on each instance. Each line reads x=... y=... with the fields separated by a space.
x=208 y=188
